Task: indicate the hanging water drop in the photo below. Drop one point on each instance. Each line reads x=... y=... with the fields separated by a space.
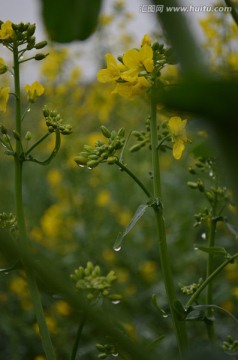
x=117 y=248
x=211 y=173
x=28 y=110
x=203 y=236
x=195 y=248
x=82 y=166
x=116 y=302
x=90 y=168
x=165 y=315
x=115 y=355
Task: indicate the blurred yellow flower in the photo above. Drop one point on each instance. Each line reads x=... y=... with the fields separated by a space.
x=4 y=96
x=179 y=138
x=54 y=177
x=3 y=66
x=18 y=286
x=6 y=30
x=34 y=91
x=40 y=357
x=62 y=307
x=51 y=324
x=103 y=198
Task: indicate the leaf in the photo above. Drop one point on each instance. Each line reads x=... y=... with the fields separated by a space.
x=138 y=214
x=156 y=342
x=216 y=307
x=232 y=229
x=7 y=270
x=214 y=250
x=70 y=20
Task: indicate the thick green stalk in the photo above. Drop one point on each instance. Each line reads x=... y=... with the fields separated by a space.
x=23 y=239
x=179 y=326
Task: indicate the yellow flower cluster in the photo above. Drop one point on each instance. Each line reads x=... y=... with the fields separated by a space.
x=132 y=72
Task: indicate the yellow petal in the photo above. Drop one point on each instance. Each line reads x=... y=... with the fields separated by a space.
x=146 y=57
x=131 y=59
x=178 y=148
x=146 y=40
x=4 y=96
x=123 y=89
x=176 y=125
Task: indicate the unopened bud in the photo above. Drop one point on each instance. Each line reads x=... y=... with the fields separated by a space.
x=28 y=136
x=16 y=135
x=105 y=132
x=40 y=45
x=40 y=56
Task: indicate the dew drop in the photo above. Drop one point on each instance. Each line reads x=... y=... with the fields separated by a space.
x=195 y=248
x=116 y=302
x=115 y=355
x=203 y=236
x=211 y=173
x=90 y=168
x=82 y=166
x=117 y=248
x=28 y=110
x=165 y=315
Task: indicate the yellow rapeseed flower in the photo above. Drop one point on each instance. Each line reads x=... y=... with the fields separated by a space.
x=137 y=61
x=112 y=72
x=34 y=91
x=4 y=96
x=179 y=138
x=6 y=30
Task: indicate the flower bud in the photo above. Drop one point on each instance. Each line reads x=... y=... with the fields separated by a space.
x=40 y=45
x=16 y=135
x=80 y=160
x=31 y=29
x=28 y=136
x=192 y=185
x=3 y=129
x=40 y=56
x=111 y=160
x=105 y=132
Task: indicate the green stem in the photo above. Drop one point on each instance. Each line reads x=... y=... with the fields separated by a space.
x=78 y=336
x=209 y=279
x=209 y=295
x=179 y=325
x=23 y=243
x=134 y=177
x=37 y=143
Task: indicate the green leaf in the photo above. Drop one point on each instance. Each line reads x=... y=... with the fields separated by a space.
x=138 y=214
x=215 y=307
x=179 y=309
x=214 y=250
x=156 y=342
x=232 y=229
x=70 y=20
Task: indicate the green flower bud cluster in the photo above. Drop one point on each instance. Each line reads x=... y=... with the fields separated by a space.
x=214 y=194
x=230 y=346
x=102 y=152
x=106 y=350
x=8 y=221
x=24 y=35
x=202 y=217
x=54 y=122
x=143 y=137
x=190 y=289
x=162 y=56
x=95 y=286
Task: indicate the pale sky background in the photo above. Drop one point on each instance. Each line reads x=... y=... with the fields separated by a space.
x=30 y=11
